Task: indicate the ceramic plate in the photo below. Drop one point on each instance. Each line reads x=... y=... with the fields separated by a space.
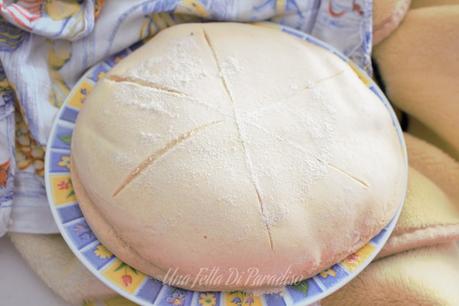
x=143 y=289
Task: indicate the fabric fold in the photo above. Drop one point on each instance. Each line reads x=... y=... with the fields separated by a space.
x=421 y=277
x=419 y=68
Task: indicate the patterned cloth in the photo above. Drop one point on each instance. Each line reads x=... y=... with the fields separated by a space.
x=45 y=46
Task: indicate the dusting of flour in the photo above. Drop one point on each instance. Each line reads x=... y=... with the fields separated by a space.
x=182 y=66
x=144 y=98
x=150 y=138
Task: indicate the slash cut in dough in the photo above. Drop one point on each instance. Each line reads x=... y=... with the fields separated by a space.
x=234 y=146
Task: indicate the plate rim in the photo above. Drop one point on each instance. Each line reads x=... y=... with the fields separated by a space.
x=389 y=227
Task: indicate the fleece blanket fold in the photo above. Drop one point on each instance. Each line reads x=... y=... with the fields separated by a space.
x=421 y=277
x=387 y=15
x=418 y=63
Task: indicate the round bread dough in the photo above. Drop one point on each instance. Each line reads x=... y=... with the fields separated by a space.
x=226 y=156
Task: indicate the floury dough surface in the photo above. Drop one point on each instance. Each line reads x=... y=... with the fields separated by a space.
x=235 y=146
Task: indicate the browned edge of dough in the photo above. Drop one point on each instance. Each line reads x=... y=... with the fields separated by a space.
x=103 y=230
x=120 y=248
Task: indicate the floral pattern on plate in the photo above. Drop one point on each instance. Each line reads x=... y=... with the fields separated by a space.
x=80 y=233
x=62 y=189
x=124 y=276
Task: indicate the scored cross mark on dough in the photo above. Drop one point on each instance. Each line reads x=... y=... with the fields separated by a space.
x=145 y=83
x=234 y=117
x=151 y=159
x=248 y=160
x=301 y=149
x=162 y=89
x=351 y=176
x=273 y=104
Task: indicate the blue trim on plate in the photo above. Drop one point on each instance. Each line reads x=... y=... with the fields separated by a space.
x=113 y=60
x=62 y=139
x=98 y=70
x=80 y=233
x=149 y=290
x=381 y=235
x=69 y=114
x=275 y=299
x=70 y=212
